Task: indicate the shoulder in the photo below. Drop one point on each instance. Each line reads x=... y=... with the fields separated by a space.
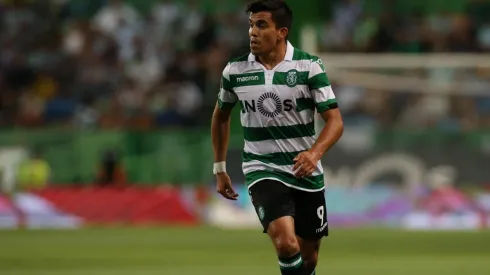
x=314 y=62
x=302 y=55
x=238 y=59
x=238 y=64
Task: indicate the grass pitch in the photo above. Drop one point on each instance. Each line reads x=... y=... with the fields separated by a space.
x=209 y=251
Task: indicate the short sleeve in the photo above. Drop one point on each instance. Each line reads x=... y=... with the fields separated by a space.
x=227 y=97
x=320 y=87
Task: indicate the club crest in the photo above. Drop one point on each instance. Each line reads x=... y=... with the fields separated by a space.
x=261 y=212
x=292 y=78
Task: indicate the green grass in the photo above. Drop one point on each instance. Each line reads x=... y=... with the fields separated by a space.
x=208 y=251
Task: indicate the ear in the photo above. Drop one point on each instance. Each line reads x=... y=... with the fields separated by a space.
x=282 y=33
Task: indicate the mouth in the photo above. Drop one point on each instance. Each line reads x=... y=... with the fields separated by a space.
x=254 y=43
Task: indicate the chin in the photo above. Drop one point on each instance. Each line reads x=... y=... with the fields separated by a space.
x=255 y=51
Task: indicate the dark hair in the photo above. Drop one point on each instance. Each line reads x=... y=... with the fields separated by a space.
x=281 y=13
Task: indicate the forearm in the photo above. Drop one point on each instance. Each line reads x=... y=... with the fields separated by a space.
x=330 y=134
x=220 y=134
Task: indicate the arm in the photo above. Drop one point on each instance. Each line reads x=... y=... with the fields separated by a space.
x=220 y=122
x=306 y=162
x=220 y=132
x=326 y=105
x=330 y=134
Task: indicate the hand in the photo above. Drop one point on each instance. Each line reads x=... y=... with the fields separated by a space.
x=223 y=186
x=305 y=164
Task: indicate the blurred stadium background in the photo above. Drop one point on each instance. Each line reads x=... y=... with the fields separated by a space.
x=105 y=111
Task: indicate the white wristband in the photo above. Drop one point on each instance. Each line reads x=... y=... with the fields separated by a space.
x=219 y=167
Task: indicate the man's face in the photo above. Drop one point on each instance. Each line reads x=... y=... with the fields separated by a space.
x=263 y=33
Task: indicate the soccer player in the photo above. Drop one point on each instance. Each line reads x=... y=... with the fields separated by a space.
x=279 y=88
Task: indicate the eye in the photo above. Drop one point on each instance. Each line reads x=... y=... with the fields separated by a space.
x=262 y=25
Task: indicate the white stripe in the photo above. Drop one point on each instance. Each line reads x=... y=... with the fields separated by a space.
x=249 y=92
x=293 y=264
x=287 y=184
x=323 y=94
x=279 y=145
x=226 y=72
x=283 y=119
x=315 y=69
x=298 y=65
x=255 y=165
x=242 y=67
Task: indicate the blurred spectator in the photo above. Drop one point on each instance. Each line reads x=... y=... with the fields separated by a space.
x=111 y=172
x=114 y=15
x=165 y=15
x=86 y=113
x=143 y=67
x=114 y=64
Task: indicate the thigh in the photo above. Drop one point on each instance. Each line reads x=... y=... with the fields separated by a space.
x=281 y=232
x=272 y=200
x=311 y=215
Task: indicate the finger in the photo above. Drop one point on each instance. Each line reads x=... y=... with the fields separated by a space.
x=310 y=172
x=300 y=172
x=305 y=170
x=231 y=195
x=232 y=192
x=313 y=169
x=298 y=164
x=297 y=157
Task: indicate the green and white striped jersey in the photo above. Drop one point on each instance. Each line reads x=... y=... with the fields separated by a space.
x=277 y=113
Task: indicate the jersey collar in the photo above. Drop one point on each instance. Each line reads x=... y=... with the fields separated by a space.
x=288 y=57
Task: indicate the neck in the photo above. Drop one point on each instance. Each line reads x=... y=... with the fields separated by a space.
x=275 y=57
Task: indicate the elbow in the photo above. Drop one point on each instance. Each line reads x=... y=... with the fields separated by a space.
x=336 y=116
x=340 y=125
x=335 y=121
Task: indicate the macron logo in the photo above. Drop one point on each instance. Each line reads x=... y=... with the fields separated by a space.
x=247 y=78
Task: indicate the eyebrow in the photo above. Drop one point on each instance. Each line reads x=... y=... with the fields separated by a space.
x=259 y=21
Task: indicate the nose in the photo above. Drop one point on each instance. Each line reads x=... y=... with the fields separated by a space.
x=254 y=31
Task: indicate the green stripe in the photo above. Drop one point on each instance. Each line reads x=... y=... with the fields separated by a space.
x=280 y=78
x=225 y=105
x=311 y=183
x=326 y=105
x=318 y=81
x=226 y=84
x=251 y=79
x=305 y=104
x=281 y=158
x=279 y=132
x=301 y=55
